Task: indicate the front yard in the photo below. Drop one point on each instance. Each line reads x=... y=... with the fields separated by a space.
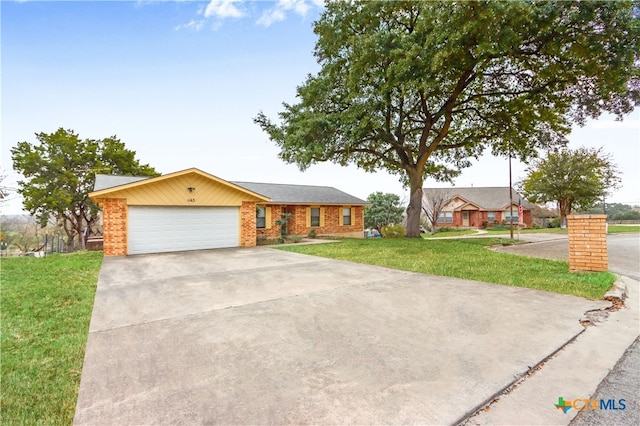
x=465 y=258
x=46 y=308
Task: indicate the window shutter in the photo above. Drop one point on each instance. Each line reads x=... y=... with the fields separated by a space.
x=308 y=217
x=341 y=216
x=353 y=215
x=267 y=218
x=321 y=216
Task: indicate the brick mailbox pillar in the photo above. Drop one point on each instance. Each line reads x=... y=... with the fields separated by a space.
x=588 y=243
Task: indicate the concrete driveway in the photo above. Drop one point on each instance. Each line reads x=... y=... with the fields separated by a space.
x=261 y=336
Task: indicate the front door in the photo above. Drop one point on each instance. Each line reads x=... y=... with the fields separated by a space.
x=465 y=219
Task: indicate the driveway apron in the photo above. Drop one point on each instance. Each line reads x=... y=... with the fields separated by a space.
x=262 y=336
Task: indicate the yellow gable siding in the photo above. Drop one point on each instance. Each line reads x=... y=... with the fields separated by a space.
x=174 y=192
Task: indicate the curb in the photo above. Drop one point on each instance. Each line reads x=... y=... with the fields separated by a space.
x=618 y=292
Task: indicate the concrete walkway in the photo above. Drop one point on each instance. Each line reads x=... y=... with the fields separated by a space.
x=261 y=336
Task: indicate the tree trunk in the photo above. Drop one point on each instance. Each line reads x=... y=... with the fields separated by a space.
x=565 y=210
x=415 y=205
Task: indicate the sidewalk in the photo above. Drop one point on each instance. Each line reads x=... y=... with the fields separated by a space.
x=572 y=373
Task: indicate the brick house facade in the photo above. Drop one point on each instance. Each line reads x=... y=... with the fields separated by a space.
x=481 y=207
x=191 y=210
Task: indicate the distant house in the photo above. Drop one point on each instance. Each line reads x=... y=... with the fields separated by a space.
x=193 y=210
x=478 y=207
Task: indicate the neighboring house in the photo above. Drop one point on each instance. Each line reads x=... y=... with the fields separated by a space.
x=479 y=207
x=193 y=210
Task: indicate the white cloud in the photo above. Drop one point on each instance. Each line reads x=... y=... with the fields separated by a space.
x=283 y=7
x=224 y=9
x=271 y=16
x=193 y=25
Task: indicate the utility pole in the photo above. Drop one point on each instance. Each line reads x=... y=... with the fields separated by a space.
x=510 y=198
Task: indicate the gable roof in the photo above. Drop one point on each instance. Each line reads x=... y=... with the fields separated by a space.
x=129 y=182
x=489 y=198
x=111 y=181
x=268 y=192
x=301 y=194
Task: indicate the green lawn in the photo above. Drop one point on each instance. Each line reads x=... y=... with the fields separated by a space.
x=613 y=229
x=465 y=258
x=491 y=231
x=46 y=308
x=455 y=233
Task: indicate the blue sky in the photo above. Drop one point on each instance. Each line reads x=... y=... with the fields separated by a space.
x=179 y=82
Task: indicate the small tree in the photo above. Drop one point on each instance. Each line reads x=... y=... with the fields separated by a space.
x=385 y=209
x=60 y=172
x=573 y=179
x=433 y=203
x=282 y=223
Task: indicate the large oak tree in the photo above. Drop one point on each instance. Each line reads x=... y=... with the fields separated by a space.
x=420 y=88
x=60 y=171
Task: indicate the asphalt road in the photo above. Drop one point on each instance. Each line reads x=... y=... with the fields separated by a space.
x=624 y=250
x=623 y=383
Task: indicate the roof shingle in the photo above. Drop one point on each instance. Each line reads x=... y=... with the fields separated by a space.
x=489 y=198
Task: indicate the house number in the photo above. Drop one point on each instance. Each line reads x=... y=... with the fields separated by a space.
x=191 y=200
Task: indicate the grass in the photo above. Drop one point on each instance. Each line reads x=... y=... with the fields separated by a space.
x=468 y=259
x=46 y=308
x=455 y=233
x=491 y=231
x=614 y=229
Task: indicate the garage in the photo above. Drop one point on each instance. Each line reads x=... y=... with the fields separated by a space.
x=155 y=229
x=180 y=211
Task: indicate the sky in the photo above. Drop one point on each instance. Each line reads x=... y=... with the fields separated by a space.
x=180 y=82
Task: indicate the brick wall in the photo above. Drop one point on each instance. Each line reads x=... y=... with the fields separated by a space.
x=114 y=226
x=588 y=243
x=248 y=224
x=297 y=224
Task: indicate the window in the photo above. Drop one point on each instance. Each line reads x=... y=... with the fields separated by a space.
x=507 y=215
x=261 y=217
x=346 y=216
x=315 y=216
x=491 y=217
x=445 y=217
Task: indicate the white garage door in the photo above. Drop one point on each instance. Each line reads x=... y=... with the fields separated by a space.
x=164 y=229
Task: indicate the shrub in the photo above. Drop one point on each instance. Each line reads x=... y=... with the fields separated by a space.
x=445 y=229
x=393 y=231
x=312 y=234
x=555 y=223
x=627 y=215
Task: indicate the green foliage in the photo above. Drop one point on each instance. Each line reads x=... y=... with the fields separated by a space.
x=46 y=308
x=385 y=209
x=419 y=88
x=467 y=259
x=627 y=215
x=312 y=234
x=393 y=231
x=60 y=171
x=573 y=179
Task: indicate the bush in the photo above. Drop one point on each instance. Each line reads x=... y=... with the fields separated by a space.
x=393 y=231
x=555 y=223
x=627 y=215
x=445 y=229
x=312 y=234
